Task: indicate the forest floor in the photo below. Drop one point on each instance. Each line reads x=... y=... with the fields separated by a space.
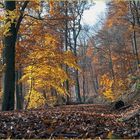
x=72 y=121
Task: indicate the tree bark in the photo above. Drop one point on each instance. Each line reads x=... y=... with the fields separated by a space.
x=66 y=48
x=94 y=79
x=77 y=87
x=9 y=61
x=19 y=94
x=9 y=56
x=84 y=91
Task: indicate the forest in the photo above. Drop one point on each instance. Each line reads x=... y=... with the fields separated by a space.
x=62 y=78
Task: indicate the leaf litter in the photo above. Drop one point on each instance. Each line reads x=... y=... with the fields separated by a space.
x=70 y=121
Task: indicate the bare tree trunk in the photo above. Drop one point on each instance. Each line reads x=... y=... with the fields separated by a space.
x=66 y=48
x=84 y=91
x=94 y=79
x=136 y=50
x=19 y=93
x=77 y=87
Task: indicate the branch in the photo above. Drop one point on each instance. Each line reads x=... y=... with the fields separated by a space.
x=37 y=18
x=21 y=15
x=48 y=18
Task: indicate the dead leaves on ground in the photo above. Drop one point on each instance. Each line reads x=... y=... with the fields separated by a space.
x=73 y=121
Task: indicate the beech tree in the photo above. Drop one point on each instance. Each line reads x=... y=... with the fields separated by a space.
x=9 y=60
x=12 y=25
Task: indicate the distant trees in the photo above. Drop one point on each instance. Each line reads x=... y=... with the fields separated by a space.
x=75 y=28
x=47 y=43
x=115 y=52
x=128 y=17
x=48 y=56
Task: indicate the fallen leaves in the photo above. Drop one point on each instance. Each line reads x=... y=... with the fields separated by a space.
x=73 y=121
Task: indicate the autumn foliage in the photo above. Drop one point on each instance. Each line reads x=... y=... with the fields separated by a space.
x=57 y=57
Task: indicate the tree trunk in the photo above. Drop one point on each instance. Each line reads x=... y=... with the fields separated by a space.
x=136 y=50
x=19 y=94
x=53 y=92
x=94 y=79
x=30 y=91
x=9 y=56
x=77 y=85
x=135 y=20
x=77 y=88
x=9 y=61
x=111 y=64
x=66 y=48
x=84 y=91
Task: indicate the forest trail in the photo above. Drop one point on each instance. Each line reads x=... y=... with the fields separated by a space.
x=70 y=121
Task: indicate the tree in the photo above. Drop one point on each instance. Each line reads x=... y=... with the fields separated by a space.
x=29 y=32
x=9 y=52
x=126 y=13
x=9 y=60
x=76 y=12
x=114 y=53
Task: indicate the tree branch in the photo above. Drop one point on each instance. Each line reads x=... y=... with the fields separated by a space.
x=36 y=18
x=21 y=15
